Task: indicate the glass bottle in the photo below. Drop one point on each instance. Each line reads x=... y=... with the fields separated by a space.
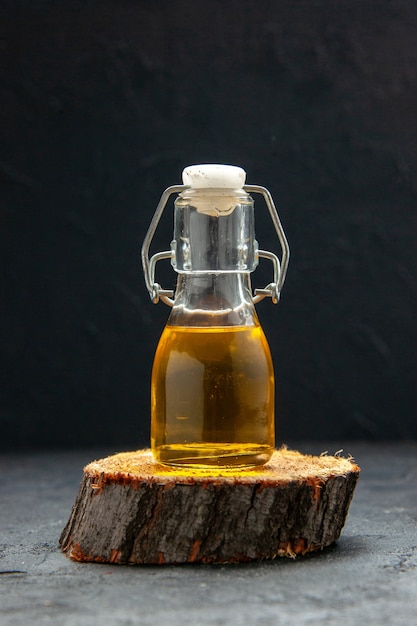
x=212 y=390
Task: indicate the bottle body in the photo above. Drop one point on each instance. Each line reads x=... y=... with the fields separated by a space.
x=213 y=379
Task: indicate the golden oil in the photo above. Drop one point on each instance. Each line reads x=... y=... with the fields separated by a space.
x=213 y=397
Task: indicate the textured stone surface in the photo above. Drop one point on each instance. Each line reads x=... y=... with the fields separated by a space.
x=369 y=576
x=103 y=104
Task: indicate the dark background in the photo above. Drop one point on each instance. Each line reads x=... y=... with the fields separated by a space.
x=104 y=103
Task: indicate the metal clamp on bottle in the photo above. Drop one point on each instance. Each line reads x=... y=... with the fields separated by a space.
x=272 y=290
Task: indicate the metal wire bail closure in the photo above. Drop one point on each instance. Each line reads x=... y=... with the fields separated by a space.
x=272 y=290
x=155 y=290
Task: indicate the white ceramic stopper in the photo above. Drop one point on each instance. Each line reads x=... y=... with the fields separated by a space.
x=214 y=176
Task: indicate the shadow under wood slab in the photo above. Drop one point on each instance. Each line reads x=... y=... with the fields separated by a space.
x=130 y=509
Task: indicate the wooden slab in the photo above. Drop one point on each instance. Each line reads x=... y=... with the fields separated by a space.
x=130 y=509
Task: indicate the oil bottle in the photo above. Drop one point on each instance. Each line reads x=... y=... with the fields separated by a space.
x=212 y=389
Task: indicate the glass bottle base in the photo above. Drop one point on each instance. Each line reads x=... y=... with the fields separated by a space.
x=209 y=455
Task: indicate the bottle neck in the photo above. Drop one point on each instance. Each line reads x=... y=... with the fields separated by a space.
x=214 y=231
x=215 y=300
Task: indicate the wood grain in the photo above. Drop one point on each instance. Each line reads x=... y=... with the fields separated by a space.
x=130 y=509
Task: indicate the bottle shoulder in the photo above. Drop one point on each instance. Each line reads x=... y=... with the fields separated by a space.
x=241 y=316
x=213 y=300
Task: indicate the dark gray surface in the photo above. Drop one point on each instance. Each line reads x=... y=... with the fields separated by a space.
x=368 y=577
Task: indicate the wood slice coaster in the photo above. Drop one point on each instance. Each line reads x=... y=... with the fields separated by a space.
x=130 y=509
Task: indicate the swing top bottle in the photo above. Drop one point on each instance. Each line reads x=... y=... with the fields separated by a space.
x=212 y=390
